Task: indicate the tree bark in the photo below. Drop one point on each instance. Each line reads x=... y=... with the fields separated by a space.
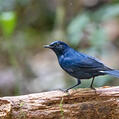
x=77 y=104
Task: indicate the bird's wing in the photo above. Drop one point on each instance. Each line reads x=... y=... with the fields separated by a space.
x=89 y=62
x=83 y=62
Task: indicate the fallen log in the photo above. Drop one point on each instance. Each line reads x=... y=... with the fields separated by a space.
x=77 y=104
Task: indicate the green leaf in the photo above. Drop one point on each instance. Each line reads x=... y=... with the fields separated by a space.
x=107 y=12
x=98 y=37
x=75 y=28
x=8 y=22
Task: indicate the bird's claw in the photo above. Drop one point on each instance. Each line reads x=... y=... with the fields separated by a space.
x=93 y=88
x=64 y=90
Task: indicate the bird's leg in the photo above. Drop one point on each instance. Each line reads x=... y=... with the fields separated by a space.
x=91 y=86
x=78 y=82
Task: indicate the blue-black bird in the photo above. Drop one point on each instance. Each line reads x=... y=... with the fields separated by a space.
x=79 y=65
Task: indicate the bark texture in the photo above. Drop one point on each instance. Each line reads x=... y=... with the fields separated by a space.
x=77 y=104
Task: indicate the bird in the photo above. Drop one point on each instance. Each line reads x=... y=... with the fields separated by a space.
x=79 y=65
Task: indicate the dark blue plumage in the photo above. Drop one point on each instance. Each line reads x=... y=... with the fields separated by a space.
x=79 y=65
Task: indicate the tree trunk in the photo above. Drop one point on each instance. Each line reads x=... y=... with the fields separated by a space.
x=77 y=104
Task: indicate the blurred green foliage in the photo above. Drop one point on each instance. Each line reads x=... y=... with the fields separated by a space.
x=107 y=12
x=8 y=22
x=97 y=36
x=26 y=25
x=76 y=27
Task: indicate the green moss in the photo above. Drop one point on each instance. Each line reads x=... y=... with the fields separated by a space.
x=61 y=108
x=22 y=114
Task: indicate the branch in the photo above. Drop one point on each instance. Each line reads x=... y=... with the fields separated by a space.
x=78 y=104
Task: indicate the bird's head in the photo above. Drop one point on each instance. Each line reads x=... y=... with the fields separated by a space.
x=58 y=47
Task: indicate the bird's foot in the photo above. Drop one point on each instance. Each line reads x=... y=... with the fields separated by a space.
x=64 y=90
x=93 y=88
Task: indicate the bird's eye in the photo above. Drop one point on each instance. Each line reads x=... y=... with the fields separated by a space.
x=57 y=44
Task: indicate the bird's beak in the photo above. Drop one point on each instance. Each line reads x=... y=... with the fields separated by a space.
x=47 y=46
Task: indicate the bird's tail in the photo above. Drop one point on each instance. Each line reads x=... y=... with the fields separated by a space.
x=114 y=73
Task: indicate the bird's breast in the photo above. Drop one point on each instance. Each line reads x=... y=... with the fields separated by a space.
x=66 y=64
x=60 y=59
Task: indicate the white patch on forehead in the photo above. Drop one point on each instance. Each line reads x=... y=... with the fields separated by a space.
x=102 y=71
x=56 y=42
